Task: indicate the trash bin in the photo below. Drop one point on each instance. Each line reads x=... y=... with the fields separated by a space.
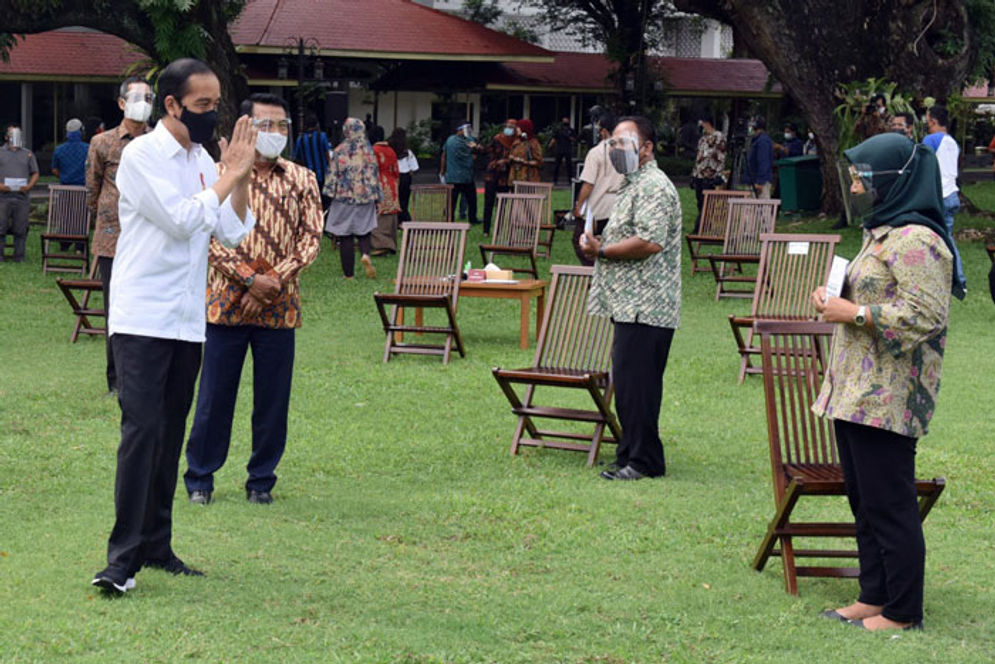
x=801 y=183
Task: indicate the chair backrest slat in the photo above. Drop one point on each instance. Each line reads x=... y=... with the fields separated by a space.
x=715 y=210
x=749 y=218
x=791 y=267
x=67 y=211
x=431 y=259
x=571 y=338
x=517 y=220
x=544 y=189
x=431 y=202
x=793 y=355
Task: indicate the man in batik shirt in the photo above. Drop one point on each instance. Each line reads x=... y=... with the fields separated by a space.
x=253 y=300
x=637 y=282
x=709 y=163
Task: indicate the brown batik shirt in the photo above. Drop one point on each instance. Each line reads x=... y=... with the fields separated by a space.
x=101 y=188
x=287 y=207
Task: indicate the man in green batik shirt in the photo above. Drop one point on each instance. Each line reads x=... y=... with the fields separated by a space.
x=637 y=282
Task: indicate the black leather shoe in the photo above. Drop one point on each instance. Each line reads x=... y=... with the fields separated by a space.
x=258 y=497
x=201 y=497
x=174 y=566
x=112 y=583
x=628 y=473
x=833 y=614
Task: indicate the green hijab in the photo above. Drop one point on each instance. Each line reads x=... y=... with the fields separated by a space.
x=914 y=197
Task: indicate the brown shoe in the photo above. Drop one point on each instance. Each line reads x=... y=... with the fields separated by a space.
x=371 y=271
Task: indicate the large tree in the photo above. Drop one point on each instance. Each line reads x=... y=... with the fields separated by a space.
x=164 y=29
x=928 y=47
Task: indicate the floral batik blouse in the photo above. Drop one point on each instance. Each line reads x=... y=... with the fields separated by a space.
x=888 y=376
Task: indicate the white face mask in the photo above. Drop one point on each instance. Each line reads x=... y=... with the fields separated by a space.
x=788 y=135
x=270 y=144
x=811 y=136
x=138 y=111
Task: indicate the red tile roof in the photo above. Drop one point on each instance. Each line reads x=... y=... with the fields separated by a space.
x=70 y=54
x=375 y=28
x=590 y=71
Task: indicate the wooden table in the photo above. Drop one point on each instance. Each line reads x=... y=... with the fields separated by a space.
x=522 y=290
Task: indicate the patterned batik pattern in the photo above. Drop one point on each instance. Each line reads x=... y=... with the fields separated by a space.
x=711 y=157
x=101 y=188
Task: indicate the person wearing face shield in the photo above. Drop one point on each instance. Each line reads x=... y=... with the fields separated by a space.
x=883 y=374
x=254 y=302
x=456 y=165
x=18 y=175
x=172 y=202
x=637 y=283
x=135 y=101
x=526 y=155
x=498 y=164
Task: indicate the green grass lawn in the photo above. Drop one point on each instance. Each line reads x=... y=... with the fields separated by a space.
x=403 y=531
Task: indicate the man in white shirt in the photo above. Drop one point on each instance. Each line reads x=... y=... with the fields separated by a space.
x=600 y=184
x=172 y=202
x=947 y=153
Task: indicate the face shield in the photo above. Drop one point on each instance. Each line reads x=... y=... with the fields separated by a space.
x=623 y=152
x=138 y=104
x=862 y=182
x=273 y=137
x=15 y=138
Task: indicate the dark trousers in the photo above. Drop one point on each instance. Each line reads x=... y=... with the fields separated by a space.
x=404 y=197
x=599 y=228
x=491 y=190
x=567 y=159
x=639 y=358
x=14 y=212
x=155 y=379
x=701 y=185
x=106 y=265
x=347 y=251
x=469 y=192
x=879 y=472
x=272 y=373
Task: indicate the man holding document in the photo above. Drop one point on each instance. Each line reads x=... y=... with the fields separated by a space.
x=18 y=174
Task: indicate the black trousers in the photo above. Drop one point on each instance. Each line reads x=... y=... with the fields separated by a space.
x=469 y=192
x=700 y=185
x=106 y=265
x=404 y=197
x=567 y=159
x=599 y=228
x=639 y=358
x=156 y=380
x=347 y=250
x=491 y=190
x=879 y=471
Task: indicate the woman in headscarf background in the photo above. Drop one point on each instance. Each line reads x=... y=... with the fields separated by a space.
x=354 y=189
x=496 y=176
x=407 y=164
x=883 y=372
x=385 y=234
x=526 y=155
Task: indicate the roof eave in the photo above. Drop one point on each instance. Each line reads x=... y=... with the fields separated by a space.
x=398 y=55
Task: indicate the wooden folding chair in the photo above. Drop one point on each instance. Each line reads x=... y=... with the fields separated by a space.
x=516 y=230
x=428 y=276
x=749 y=218
x=431 y=202
x=68 y=223
x=803 y=453
x=791 y=267
x=547 y=228
x=573 y=351
x=82 y=309
x=711 y=231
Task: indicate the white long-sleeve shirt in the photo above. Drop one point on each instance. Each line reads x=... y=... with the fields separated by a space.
x=168 y=213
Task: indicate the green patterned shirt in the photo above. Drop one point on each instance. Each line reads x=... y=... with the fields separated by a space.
x=888 y=377
x=648 y=290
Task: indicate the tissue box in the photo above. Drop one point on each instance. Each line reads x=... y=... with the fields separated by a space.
x=501 y=275
x=476 y=275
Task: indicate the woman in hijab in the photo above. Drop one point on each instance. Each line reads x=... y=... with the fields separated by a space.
x=526 y=155
x=496 y=177
x=385 y=234
x=354 y=190
x=883 y=372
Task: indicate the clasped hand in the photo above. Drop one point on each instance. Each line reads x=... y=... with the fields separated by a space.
x=261 y=293
x=835 y=309
x=239 y=153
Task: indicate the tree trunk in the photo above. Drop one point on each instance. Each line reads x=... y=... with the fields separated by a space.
x=220 y=54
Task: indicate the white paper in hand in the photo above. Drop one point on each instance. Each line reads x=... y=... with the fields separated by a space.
x=837 y=275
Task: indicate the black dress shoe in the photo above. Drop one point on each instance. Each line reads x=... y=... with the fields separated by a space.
x=199 y=497
x=112 y=583
x=174 y=566
x=833 y=614
x=258 y=497
x=628 y=473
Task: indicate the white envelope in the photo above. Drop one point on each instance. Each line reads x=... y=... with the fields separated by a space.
x=15 y=183
x=837 y=276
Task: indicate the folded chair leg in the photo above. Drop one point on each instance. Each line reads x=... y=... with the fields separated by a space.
x=791 y=495
x=788 y=564
x=592 y=455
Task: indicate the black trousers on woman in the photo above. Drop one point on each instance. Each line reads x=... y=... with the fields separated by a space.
x=879 y=472
x=404 y=197
x=639 y=358
x=347 y=251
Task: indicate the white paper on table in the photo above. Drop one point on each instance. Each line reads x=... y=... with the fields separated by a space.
x=798 y=248
x=837 y=275
x=15 y=183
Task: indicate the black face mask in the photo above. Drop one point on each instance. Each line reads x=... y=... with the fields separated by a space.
x=200 y=126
